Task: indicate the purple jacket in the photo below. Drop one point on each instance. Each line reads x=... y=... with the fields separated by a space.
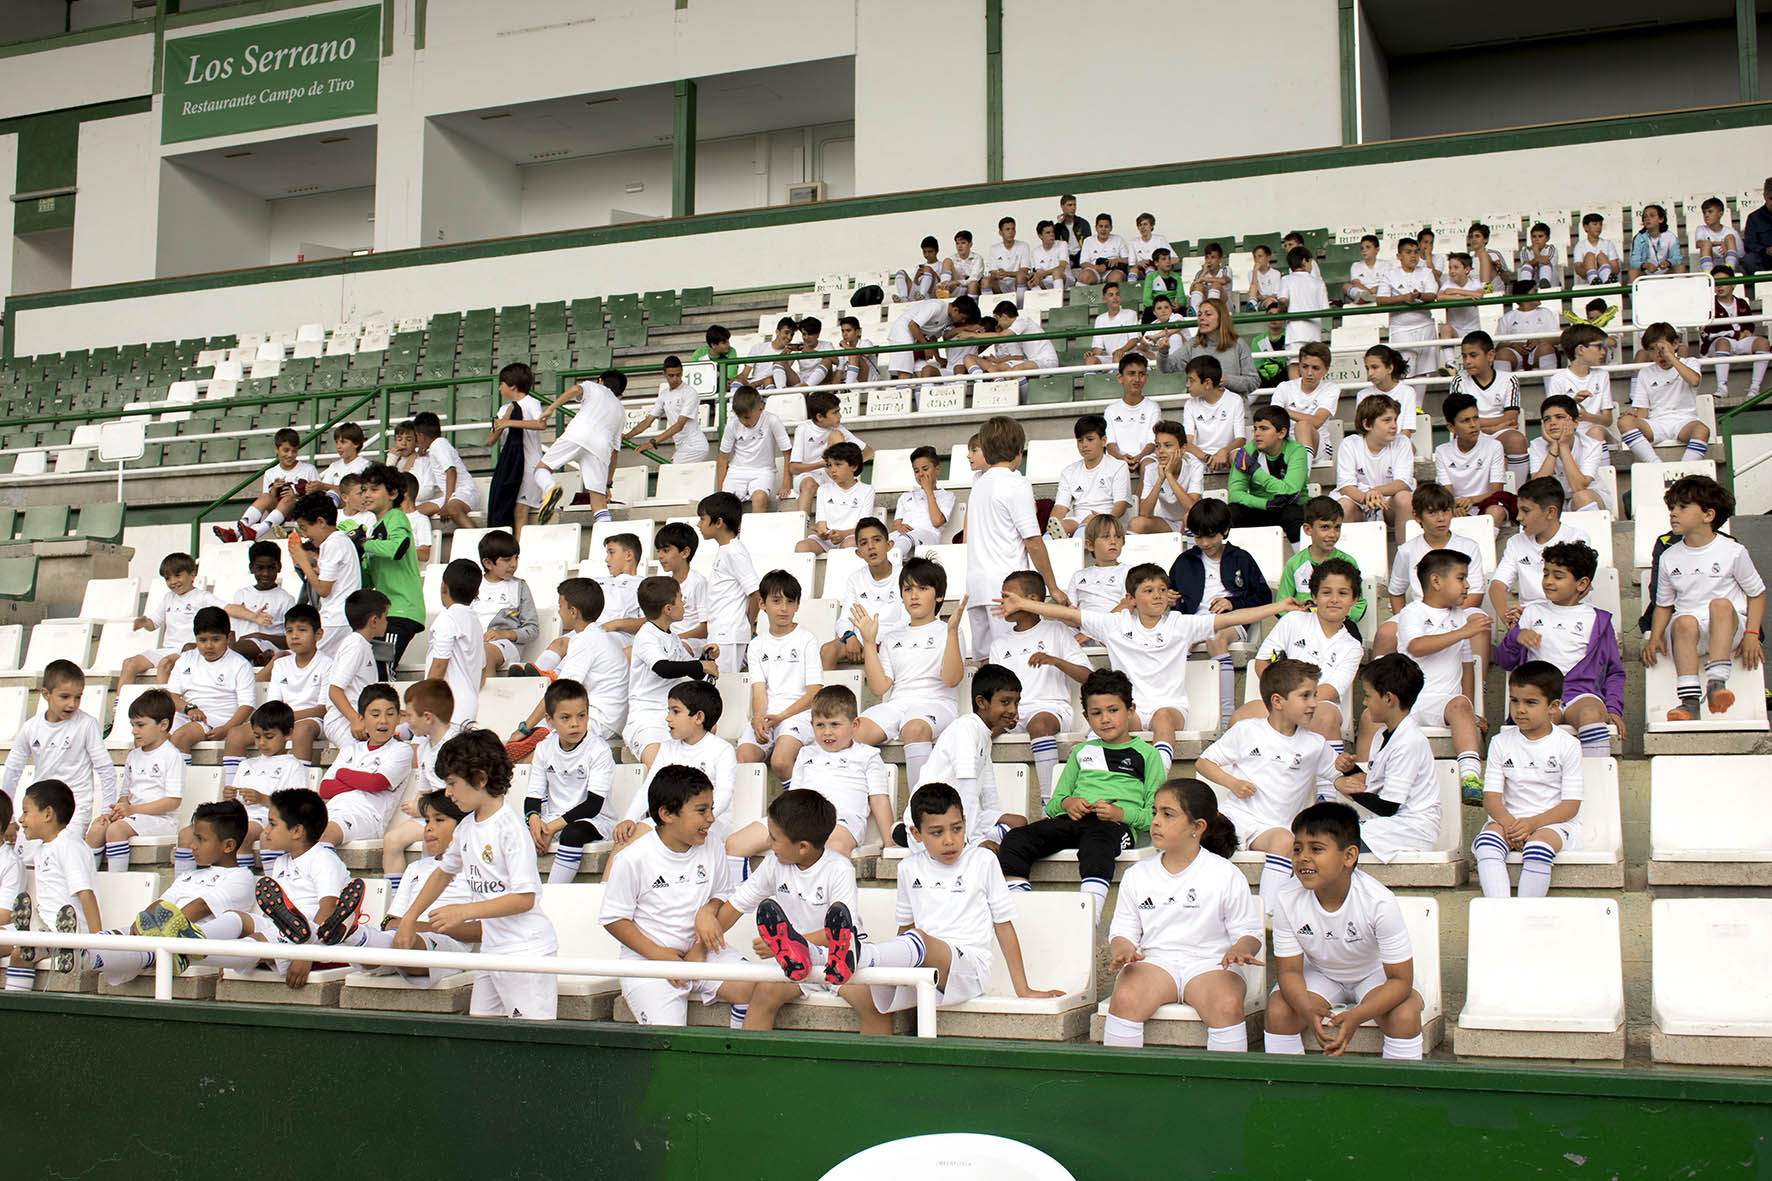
x=1600 y=671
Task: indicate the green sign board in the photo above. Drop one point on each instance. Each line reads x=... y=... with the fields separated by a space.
x=304 y=70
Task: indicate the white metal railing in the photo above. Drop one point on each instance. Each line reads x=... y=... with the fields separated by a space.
x=164 y=949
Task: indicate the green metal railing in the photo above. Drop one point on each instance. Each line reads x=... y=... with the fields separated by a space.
x=1726 y=428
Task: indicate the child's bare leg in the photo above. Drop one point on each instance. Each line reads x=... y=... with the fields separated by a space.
x=759 y=502
x=753 y=838
x=95 y=836
x=458 y=513
x=301 y=742
x=841 y=840
x=1326 y=718
x=747 y=753
x=1218 y=998
x=495 y=660
x=1386 y=641
x=395 y=844
x=1140 y=990
x=766 y=1001
x=1164 y=723
x=1685 y=645
x=1398 y=511
x=1404 y=1021
x=1251 y=709
x=133 y=667
x=185 y=738
x=1351 y=512
x=332 y=835
x=238 y=742
x=781 y=759
x=861 y=998
x=163 y=671
x=1499 y=515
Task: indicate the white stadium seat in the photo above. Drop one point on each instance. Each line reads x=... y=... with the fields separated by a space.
x=112 y=598
x=1057 y=936
x=1648 y=504
x=1748 y=713
x=1710 y=961
x=1545 y=979
x=1710 y=820
x=203 y=785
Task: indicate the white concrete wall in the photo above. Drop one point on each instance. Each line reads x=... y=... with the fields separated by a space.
x=900 y=46
x=1374 y=193
x=469 y=193
x=338 y=219
x=121 y=67
x=40 y=261
x=576 y=193
x=1223 y=103
x=206 y=225
x=117 y=211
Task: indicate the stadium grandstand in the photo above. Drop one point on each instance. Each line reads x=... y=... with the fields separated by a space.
x=1236 y=598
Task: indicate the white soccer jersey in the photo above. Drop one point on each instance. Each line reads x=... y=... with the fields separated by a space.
x=1212 y=426
x=1358 y=466
x=811 y=441
x=1534 y=775
x=1702 y=233
x=1406 y=582
x=338 y=469
x=999 y=517
x=1408 y=399
x=274 y=602
x=1267 y=283
x=600 y=419
x=1462 y=321
x=412 y=883
x=1288 y=770
x=1367 y=276
x=1143 y=248
x=595 y=660
x=1132 y=425
x=1443 y=671
x=444 y=458
x=877 y=596
x=648 y=693
x=673 y=404
x=961 y=758
x=759 y=446
x=1113 y=340
x=369 y=810
x=496 y=605
x=1493 y=400
x=1014 y=257
x=217 y=687
x=456 y=638
x=221 y=887
x=64 y=871
x=1298 y=635
x=621 y=600
x=150 y=776
x=1470 y=473
x=1397 y=281
x=497 y=857
x=563 y=779
x=695 y=597
x=1562 y=631
x=1044 y=259
x=1155 y=658
x=1096 y=250
x=1097 y=588
x=1346 y=944
x=660 y=891
x=804 y=894
x=268 y=775
x=731 y=584
x=12 y=875
x=1591 y=457
x=839 y=508
x=1085 y=489
x=1692 y=578
x=302 y=470
x=353 y=669
x=176 y=613
x=845 y=777
x=308 y=878
x=1663 y=391
x=1600 y=248
x=299 y=686
x=1540 y=322
x=785 y=665
x=424 y=758
x=1195 y=914
x=1521 y=563
x=1043 y=685
x=1291 y=395
x=713 y=756
x=959 y=904
x=1402 y=772
x=337 y=563
x=1040 y=352
x=912 y=656
x=1303 y=291
x=930 y=315
x=913 y=509
x=71 y=750
x=1192 y=478
x=525 y=409
x=422 y=533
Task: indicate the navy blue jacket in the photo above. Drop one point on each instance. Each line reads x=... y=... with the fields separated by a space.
x=1244 y=585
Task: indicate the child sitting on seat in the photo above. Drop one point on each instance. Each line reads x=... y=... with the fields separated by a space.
x=1663 y=399
x=212 y=686
x=569 y=782
x=852 y=776
x=1375 y=476
x=659 y=660
x=1534 y=787
x=439 y=818
x=785 y=673
x=874 y=589
x=962 y=758
x=1399 y=790
x=62 y=894
x=912 y=669
x=363 y=787
x=1321 y=636
x=1578 y=640
x=150 y=789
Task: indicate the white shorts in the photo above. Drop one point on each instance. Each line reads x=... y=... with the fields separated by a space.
x=659 y=1002
x=528 y=996
x=904 y=362
x=1703 y=622
x=1182 y=969
x=1249 y=823
x=968 y=976
x=1569 y=831
x=508 y=649
x=156 y=655
x=1339 y=992
x=1058 y=709
x=891 y=716
x=642 y=732
x=592 y=461
x=529 y=492
x=799 y=727
x=1431 y=711
x=1667 y=425
x=336 y=728
x=818 y=476
x=158 y=824
x=744 y=482
x=259 y=814
x=920 y=535
x=1724 y=346
x=356 y=822
x=731 y=658
x=261 y=645
x=467 y=491
x=825 y=547
x=1179 y=704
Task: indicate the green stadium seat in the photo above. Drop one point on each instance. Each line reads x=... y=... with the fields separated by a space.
x=8 y=522
x=18 y=579
x=587 y=315
x=44 y=522
x=1047 y=390
x=150 y=457
x=1099 y=385
x=221 y=450
x=696 y=297
x=257 y=447
x=101 y=522
x=1088 y=296
x=437 y=368
x=59 y=436
x=550 y=318
x=628 y=333
x=184 y=453
x=476 y=365
x=1072 y=316
x=662 y=307
x=1163 y=385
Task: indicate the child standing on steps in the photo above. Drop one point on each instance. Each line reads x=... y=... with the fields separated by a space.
x=1533 y=789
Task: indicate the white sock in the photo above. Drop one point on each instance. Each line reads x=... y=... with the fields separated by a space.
x=904 y=951
x=183 y=862
x=251 y=516
x=1228 y=1038
x=1758 y=381
x=1276 y=871
x=1166 y=752
x=1227 y=691
x=738 y=868
x=1548 y=361
x=736 y=1019
x=1282 y=1043
x=901 y=285
x=548 y=661
x=121 y=966
x=915 y=755
x=1535 y=869
x=566 y=863
x=224 y=926
x=1639 y=446
x=273 y=518
x=1696 y=449
x=1045 y=752
x=1491 y=854
x=230 y=769
x=1117 y=1031
x=1096 y=889
x=1503 y=366
x=20 y=977
x=1403 y=1048
x=544 y=479
x=1522 y=470
x=117 y=856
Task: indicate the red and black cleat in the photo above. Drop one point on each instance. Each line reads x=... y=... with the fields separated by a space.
x=787 y=945
x=840 y=944
x=275 y=904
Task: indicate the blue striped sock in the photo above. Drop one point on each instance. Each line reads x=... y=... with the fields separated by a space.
x=183 y=862
x=736 y=1021
x=243 y=860
x=1696 y=449
x=230 y=769
x=1096 y=889
x=1167 y=751
x=1227 y=691
x=19 y=978
x=601 y=514
x=1640 y=447
x=393 y=881
x=188 y=759
x=117 y=856
x=1021 y=884
x=1491 y=854
x=567 y=859
x=1275 y=872
x=268 y=858
x=1536 y=860
x=1596 y=740
x=1338 y=746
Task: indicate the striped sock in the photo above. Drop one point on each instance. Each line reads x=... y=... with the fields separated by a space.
x=787 y=785
x=602 y=514
x=1640 y=447
x=20 y=978
x=1689 y=690
x=998 y=832
x=98 y=859
x=243 y=860
x=1696 y=449
x=566 y=862
x=1338 y=746
x=230 y=768
x=739 y=868
x=1045 y=764
x=1491 y=854
x=1021 y=884
x=1096 y=889
x=736 y=1020
x=1596 y=740
x=1717 y=672
x=189 y=758
x=1275 y=872
x=905 y=951
x=1535 y=869
x=268 y=859
x=1167 y=751
x=1522 y=470
x=1469 y=763
x=117 y=856
x=183 y=862
x=1227 y=691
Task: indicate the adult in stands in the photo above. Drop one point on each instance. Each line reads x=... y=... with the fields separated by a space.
x=1217 y=337
x=1756 y=235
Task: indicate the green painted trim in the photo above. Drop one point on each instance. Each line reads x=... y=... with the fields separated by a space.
x=1348 y=22
x=80 y=37
x=86 y=114
x=683 y=148
x=421 y=11
x=209 y=16
x=993 y=90
x=1389 y=151
x=1747 y=50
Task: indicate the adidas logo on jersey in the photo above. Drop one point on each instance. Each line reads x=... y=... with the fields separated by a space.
x=1147 y=904
x=1306 y=930
x=1507 y=762
x=658 y=883
x=916 y=883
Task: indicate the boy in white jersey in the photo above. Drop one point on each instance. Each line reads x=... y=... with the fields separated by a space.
x=1103 y=257
x=277 y=490
x=918 y=323
x=822 y=430
x=1663 y=400
x=785 y=677
x=1051 y=260
x=62 y=894
x=1003 y=532
x=1708 y=597
x=1310 y=399
x=962 y=759
x=1399 y=790
x=62 y=743
x=1320 y=637
x=1434 y=507
x=152 y=785
x=923 y=512
x=1438 y=633
x=962 y=273
x=674 y=546
x=842 y=502
x=1173 y=483
x=1533 y=790
x=659 y=660
x=797 y=885
x=1095 y=485
x=1583 y=348
x=1596 y=259
x=363 y=787
x=438 y=819
x=258 y=635
x=694 y=711
x=493 y=853
x=569 y=782
x=1744 y=336
x=520 y=411
x=856 y=366
x=874 y=588
x=952 y=900
x=752 y=447
x=1216 y=420
x=621 y=616
x=271 y=769
x=1185 y=925
x=348 y=440
x=1461 y=282
x=1339 y=939
x=458 y=645
x=1375 y=474
x=1404 y=288
x=1106 y=347
x=1008 y=263
x=12 y=871
x=653 y=893
x=215 y=884
x=429 y=706
x=1302 y=290
x=1100 y=585
x=1521 y=561
x=1578 y=640
x=918 y=280
x=1533 y=319
x=300 y=680
x=1271 y=767
x=328 y=563
x=1498 y=399
x=457 y=494
x=173 y=613
x=1363 y=276
x=850 y=775
x=733 y=600
x=1472 y=465
x=592 y=440
x=1563 y=453
x=1715 y=243
x=503 y=608
x=586 y=654
x=913 y=669
x=213 y=690
x=678 y=408
x=1132 y=421
x=1042 y=654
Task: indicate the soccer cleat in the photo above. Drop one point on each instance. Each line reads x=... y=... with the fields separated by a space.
x=519 y=749
x=1720 y=700
x=246 y=532
x=1470 y=786
x=224 y=533
x=523 y=670
x=840 y=944
x=168 y=922
x=66 y=923
x=275 y=904
x=785 y=944
x=1686 y=711
x=343 y=918
x=1055 y=528
x=550 y=503
x=21 y=921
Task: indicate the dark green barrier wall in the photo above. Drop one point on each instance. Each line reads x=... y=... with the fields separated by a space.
x=124 y=1089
